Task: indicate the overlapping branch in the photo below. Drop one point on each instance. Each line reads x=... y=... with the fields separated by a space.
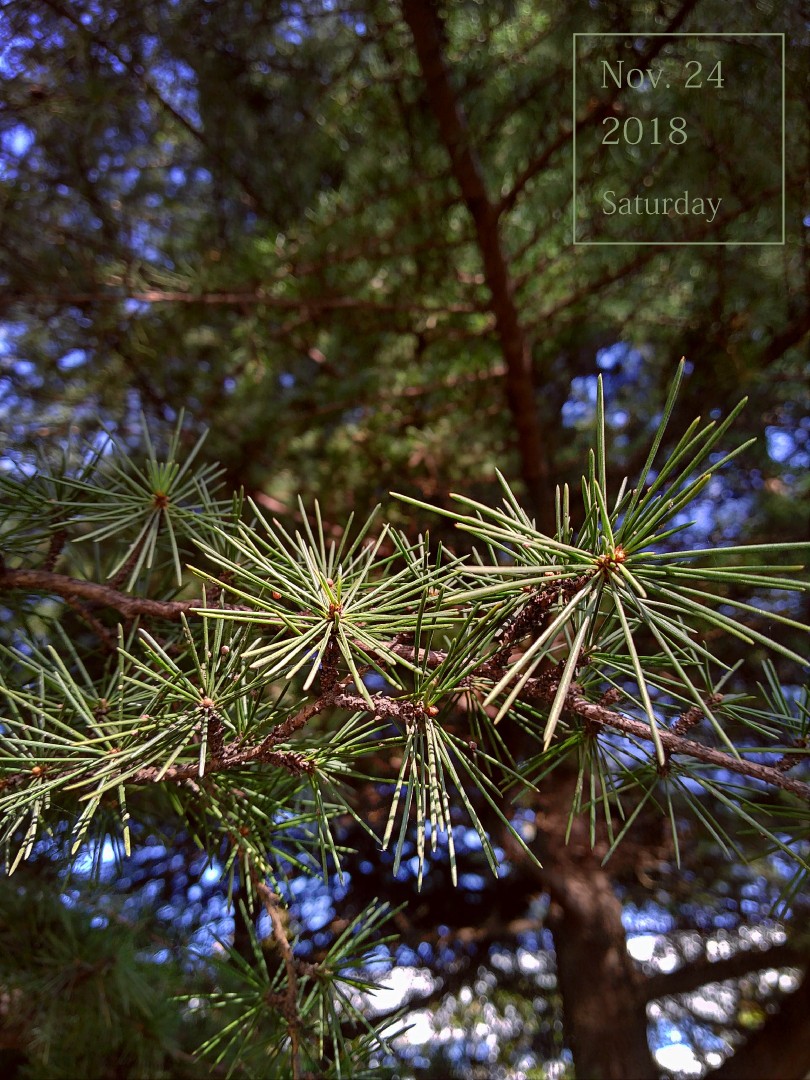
x=237 y=755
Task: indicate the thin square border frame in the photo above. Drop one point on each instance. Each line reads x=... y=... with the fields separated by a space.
x=669 y=243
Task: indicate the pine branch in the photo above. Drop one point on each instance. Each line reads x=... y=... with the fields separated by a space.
x=235 y=755
x=604 y=717
x=273 y=908
x=44 y=581
x=677 y=744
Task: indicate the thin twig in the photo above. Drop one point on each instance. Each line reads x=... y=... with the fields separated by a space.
x=272 y=905
x=605 y=717
x=102 y=632
x=677 y=744
x=237 y=298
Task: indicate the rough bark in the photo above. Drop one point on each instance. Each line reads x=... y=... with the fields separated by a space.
x=604 y=1017
x=425 y=25
x=604 y=1026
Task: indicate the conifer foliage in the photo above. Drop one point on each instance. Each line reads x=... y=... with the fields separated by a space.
x=179 y=665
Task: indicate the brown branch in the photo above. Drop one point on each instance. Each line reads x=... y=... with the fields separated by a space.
x=71 y=589
x=272 y=905
x=57 y=543
x=693 y=976
x=233 y=755
x=604 y=717
x=99 y=629
x=236 y=756
x=238 y=298
x=425 y=25
x=676 y=744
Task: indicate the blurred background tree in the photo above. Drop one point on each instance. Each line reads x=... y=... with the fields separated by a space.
x=339 y=236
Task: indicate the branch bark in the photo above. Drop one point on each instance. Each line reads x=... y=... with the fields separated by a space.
x=673 y=743
x=677 y=744
x=44 y=581
x=272 y=906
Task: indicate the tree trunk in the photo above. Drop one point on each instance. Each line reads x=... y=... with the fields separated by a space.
x=605 y=1027
x=604 y=1015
